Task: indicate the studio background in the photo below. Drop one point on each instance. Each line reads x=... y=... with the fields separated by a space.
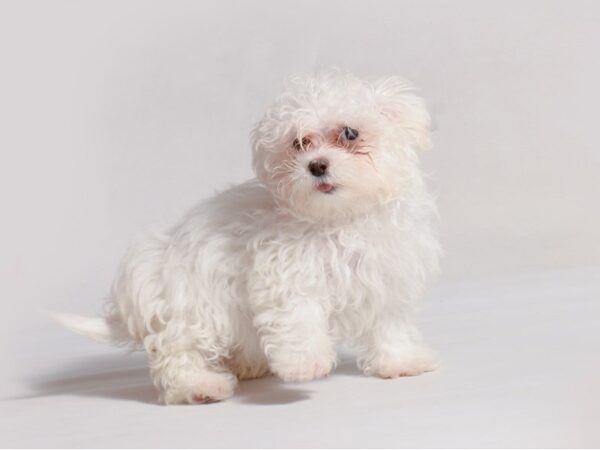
x=116 y=117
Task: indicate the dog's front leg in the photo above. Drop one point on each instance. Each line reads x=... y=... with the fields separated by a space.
x=393 y=348
x=294 y=336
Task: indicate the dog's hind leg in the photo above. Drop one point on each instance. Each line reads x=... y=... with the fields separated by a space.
x=186 y=369
x=248 y=361
x=185 y=377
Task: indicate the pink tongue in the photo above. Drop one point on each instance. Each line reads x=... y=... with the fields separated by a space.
x=325 y=187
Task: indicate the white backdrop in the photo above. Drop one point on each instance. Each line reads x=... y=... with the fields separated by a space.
x=115 y=117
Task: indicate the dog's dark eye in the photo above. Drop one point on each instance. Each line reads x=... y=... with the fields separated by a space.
x=301 y=145
x=349 y=133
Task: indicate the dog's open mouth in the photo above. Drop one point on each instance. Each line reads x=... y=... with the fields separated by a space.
x=325 y=188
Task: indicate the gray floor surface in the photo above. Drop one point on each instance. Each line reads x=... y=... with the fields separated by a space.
x=521 y=367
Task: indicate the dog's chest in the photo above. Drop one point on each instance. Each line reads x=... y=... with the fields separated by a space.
x=343 y=268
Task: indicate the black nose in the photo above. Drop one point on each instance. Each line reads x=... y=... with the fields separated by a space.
x=318 y=167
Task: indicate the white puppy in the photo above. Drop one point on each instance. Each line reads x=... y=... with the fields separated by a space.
x=332 y=243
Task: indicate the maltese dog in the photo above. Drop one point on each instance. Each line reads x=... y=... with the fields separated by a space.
x=331 y=243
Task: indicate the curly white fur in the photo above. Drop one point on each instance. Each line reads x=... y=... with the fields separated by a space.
x=270 y=275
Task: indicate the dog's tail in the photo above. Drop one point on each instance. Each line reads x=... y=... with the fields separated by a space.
x=106 y=330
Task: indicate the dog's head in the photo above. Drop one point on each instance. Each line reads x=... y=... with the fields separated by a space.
x=334 y=145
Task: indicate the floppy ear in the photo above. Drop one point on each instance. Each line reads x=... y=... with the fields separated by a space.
x=398 y=102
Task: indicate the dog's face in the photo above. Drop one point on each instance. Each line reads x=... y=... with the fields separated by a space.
x=335 y=145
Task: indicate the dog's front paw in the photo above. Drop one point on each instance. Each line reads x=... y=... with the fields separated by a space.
x=415 y=361
x=300 y=368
